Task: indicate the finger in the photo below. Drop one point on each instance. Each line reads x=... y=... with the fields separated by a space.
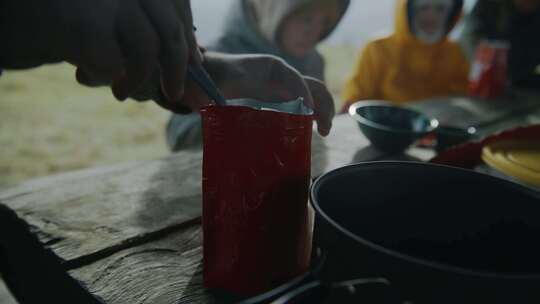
x=262 y=77
x=183 y=9
x=314 y=92
x=98 y=63
x=290 y=80
x=194 y=100
x=324 y=108
x=174 y=53
x=175 y=108
x=86 y=77
x=139 y=44
x=93 y=73
x=182 y=107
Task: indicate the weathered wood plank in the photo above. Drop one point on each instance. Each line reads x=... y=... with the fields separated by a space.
x=83 y=213
x=166 y=271
x=33 y=273
x=90 y=215
x=169 y=270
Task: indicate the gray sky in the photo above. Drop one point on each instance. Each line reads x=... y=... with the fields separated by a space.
x=365 y=19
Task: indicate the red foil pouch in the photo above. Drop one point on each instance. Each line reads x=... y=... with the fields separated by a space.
x=488 y=75
x=256 y=176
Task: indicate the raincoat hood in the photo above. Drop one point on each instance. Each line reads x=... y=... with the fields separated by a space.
x=270 y=14
x=403 y=20
x=252 y=26
x=401 y=68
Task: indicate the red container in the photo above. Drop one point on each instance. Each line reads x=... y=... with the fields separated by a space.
x=256 y=176
x=488 y=76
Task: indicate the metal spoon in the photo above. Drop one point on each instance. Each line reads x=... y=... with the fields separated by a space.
x=205 y=82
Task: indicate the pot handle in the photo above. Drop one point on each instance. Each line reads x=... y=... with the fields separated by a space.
x=305 y=279
x=361 y=290
x=308 y=289
x=284 y=289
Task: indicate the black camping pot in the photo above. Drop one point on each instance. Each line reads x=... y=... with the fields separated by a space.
x=437 y=234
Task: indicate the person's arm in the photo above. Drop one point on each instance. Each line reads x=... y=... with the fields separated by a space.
x=261 y=77
x=121 y=42
x=364 y=82
x=111 y=42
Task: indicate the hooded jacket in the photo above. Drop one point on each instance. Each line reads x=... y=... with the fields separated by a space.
x=253 y=26
x=400 y=68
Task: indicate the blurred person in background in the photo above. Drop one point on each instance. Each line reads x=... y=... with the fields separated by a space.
x=289 y=29
x=513 y=21
x=416 y=62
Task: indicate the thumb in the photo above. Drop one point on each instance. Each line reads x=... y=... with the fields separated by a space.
x=323 y=105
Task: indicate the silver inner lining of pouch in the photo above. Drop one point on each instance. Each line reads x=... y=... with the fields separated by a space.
x=292 y=107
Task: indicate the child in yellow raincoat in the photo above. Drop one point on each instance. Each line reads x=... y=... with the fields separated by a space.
x=417 y=61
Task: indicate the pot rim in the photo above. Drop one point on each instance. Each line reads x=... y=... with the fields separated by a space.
x=402 y=256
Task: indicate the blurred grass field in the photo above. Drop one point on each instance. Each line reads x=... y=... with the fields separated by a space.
x=51 y=124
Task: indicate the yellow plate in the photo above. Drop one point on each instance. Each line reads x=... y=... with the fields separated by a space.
x=518 y=159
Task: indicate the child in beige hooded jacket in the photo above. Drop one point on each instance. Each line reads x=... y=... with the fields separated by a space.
x=290 y=29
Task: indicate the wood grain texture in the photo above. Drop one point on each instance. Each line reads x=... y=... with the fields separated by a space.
x=166 y=271
x=83 y=214
x=80 y=214
x=131 y=233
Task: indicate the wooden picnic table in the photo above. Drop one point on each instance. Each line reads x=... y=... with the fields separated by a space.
x=132 y=233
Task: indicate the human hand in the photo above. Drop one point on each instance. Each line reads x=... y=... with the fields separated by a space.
x=112 y=42
x=268 y=78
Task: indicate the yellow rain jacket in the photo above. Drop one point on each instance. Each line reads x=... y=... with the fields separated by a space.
x=400 y=68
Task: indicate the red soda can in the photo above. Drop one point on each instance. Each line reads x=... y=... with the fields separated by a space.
x=488 y=75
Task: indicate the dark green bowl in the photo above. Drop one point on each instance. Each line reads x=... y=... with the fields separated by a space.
x=391 y=128
x=448 y=136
